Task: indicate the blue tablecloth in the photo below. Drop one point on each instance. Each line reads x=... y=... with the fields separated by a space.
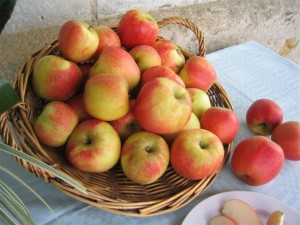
x=247 y=72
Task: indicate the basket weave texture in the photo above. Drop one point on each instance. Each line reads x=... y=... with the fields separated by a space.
x=110 y=190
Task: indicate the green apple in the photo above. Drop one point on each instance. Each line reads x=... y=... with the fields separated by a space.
x=200 y=101
x=193 y=123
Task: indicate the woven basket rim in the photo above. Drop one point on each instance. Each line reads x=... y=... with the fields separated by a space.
x=22 y=115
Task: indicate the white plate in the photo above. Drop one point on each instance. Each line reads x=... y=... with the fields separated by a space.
x=262 y=204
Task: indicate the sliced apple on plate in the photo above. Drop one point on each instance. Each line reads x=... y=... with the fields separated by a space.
x=222 y=220
x=240 y=212
x=276 y=218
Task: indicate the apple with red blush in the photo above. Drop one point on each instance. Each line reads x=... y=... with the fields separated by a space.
x=77 y=41
x=55 y=78
x=223 y=122
x=144 y=157
x=287 y=135
x=137 y=27
x=257 y=160
x=263 y=116
x=93 y=146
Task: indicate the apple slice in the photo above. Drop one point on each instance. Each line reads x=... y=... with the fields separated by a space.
x=222 y=220
x=276 y=218
x=240 y=212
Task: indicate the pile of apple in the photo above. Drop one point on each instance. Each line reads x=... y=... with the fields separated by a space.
x=257 y=160
x=127 y=96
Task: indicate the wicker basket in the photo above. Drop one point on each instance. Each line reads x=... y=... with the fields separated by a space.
x=110 y=190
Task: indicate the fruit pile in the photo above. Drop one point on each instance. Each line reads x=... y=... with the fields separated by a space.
x=257 y=160
x=127 y=96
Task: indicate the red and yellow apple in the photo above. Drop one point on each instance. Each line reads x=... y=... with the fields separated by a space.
x=200 y=101
x=144 y=157
x=77 y=41
x=117 y=61
x=263 y=116
x=55 y=123
x=196 y=154
x=198 y=73
x=137 y=27
x=85 y=71
x=107 y=38
x=160 y=71
x=77 y=104
x=94 y=146
x=287 y=135
x=163 y=106
x=223 y=122
x=55 y=79
x=170 y=55
x=127 y=124
x=193 y=123
x=106 y=96
x=145 y=56
x=257 y=160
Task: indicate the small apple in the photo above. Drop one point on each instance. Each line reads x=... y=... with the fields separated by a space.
x=145 y=56
x=170 y=55
x=55 y=123
x=77 y=41
x=223 y=122
x=107 y=38
x=263 y=116
x=196 y=154
x=198 y=73
x=144 y=157
x=55 y=79
x=200 y=101
x=241 y=212
x=160 y=71
x=163 y=106
x=117 y=61
x=287 y=135
x=94 y=146
x=126 y=125
x=77 y=104
x=193 y=123
x=222 y=220
x=85 y=70
x=106 y=96
x=257 y=160
x=137 y=27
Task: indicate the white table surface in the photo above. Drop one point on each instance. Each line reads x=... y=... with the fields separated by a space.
x=247 y=72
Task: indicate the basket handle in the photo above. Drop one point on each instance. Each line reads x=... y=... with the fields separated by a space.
x=189 y=25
